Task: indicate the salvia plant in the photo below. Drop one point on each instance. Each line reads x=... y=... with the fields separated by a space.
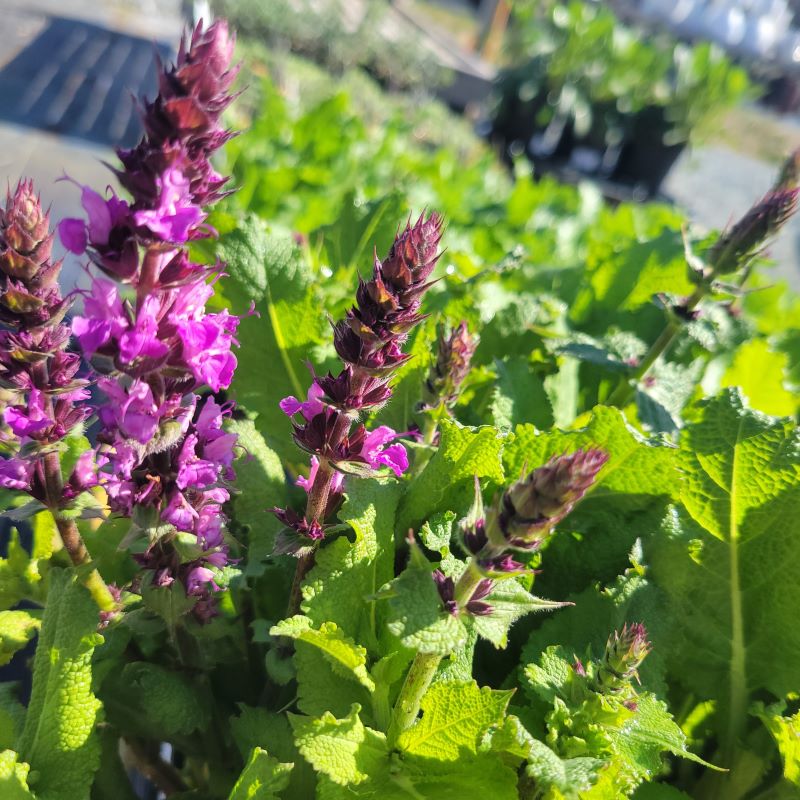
x=500 y=511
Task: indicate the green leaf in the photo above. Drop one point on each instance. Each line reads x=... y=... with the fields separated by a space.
x=259 y=728
x=417 y=617
x=104 y=542
x=14 y=777
x=482 y=775
x=519 y=396
x=167 y=703
x=786 y=733
x=260 y=485
x=730 y=561
x=267 y=268
x=331 y=668
x=59 y=739
x=638 y=467
x=659 y=791
x=549 y=771
x=437 y=532
x=509 y=603
x=343 y=749
x=446 y=483
x=650 y=731
x=262 y=778
x=12 y=716
x=454 y=718
x=761 y=371
x=348 y=658
x=17 y=628
x=346 y=573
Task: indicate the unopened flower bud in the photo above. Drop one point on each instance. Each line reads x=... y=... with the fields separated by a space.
x=536 y=503
x=29 y=293
x=736 y=247
x=476 y=606
x=454 y=354
x=789 y=176
x=625 y=652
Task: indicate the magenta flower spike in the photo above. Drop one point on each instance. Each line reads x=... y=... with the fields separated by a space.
x=369 y=341
x=163 y=456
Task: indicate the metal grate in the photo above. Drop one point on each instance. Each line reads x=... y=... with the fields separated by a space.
x=78 y=79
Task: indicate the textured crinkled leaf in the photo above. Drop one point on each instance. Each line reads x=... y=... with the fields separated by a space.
x=650 y=732
x=59 y=739
x=519 y=396
x=437 y=531
x=168 y=703
x=454 y=718
x=331 y=669
x=786 y=733
x=260 y=485
x=509 y=602
x=569 y=776
x=417 y=617
x=661 y=400
x=348 y=658
x=267 y=268
x=548 y=677
x=760 y=372
x=17 y=628
x=730 y=567
x=638 y=467
x=343 y=749
x=414 y=778
x=447 y=480
x=262 y=778
x=257 y=727
x=346 y=573
x=14 y=777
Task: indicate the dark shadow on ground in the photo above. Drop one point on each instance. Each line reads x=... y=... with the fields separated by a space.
x=77 y=79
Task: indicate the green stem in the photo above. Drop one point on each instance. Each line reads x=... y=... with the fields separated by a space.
x=430 y=428
x=621 y=396
x=424 y=666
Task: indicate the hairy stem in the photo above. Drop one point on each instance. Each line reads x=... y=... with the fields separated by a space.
x=70 y=536
x=423 y=667
x=318 y=497
x=627 y=386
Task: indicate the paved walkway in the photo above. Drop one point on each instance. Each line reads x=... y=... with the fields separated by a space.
x=100 y=31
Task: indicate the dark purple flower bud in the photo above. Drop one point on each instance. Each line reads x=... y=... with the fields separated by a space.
x=346 y=394
x=534 y=504
x=737 y=246
x=475 y=605
x=297 y=522
x=387 y=307
x=625 y=651
x=454 y=354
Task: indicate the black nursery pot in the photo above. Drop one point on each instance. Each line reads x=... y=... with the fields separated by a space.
x=645 y=159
